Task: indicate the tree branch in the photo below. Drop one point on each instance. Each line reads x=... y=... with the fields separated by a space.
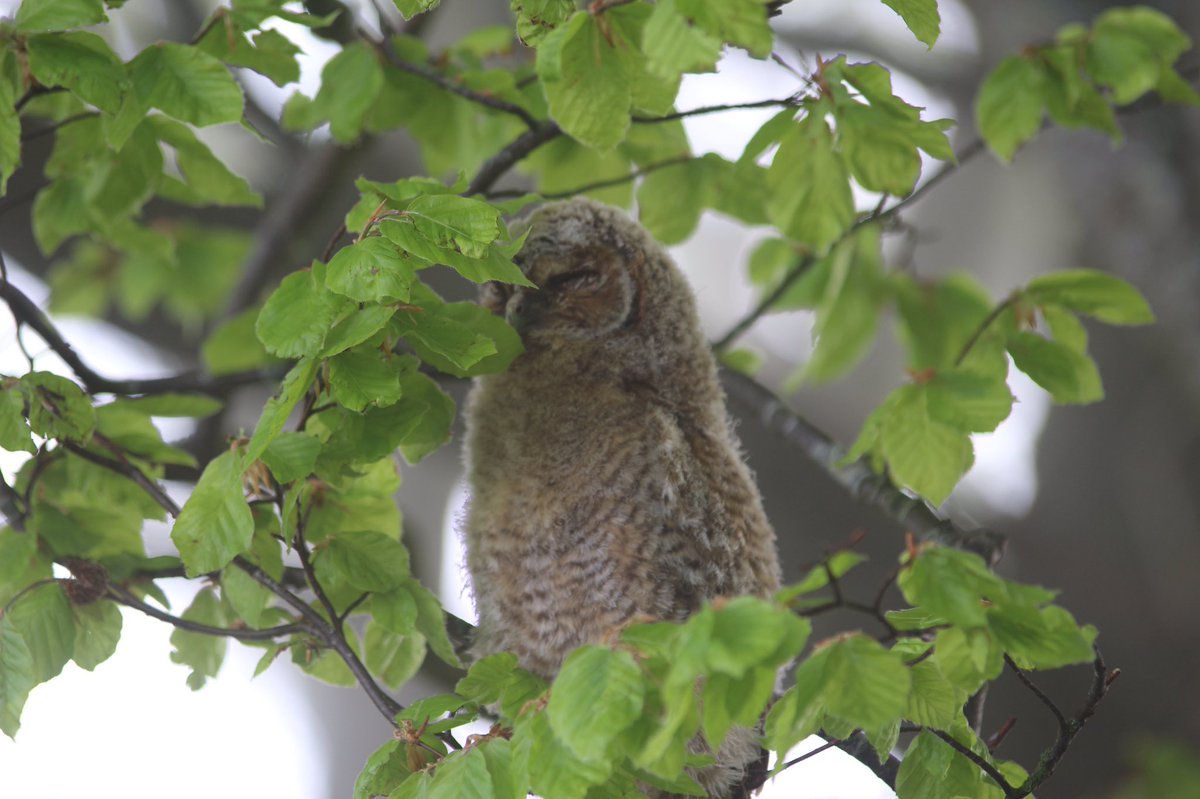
x=1102 y=679
x=602 y=184
x=26 y=312
x=384 y=48
x=1009 y=791
x=715 y=109
x=126 y=469
x=880 y=214
x=857 y=478
x=122 y=596
x=495 y=167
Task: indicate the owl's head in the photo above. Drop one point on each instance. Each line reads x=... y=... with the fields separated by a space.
x=597 y=273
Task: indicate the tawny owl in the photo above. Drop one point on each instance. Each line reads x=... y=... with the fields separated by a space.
x=605 y=479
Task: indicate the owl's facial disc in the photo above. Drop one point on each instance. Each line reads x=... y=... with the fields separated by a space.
x=583 y=293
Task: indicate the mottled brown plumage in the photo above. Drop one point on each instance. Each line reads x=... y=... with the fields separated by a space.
x=606 y=482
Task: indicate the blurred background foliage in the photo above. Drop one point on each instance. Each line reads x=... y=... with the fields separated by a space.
x=1100 y=502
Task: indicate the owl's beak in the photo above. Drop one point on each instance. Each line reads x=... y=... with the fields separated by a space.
x=522 y=310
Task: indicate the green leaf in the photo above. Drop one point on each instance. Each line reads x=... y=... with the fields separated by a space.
x=1046 y=638
x=10 y=152
x=461 y=224
x=350 y=82
x=486 y=678
x=443 y=340
x=176 y=405
x=726 y=701
x=1009 y=107
x=15 y=435
x=234 y=347
x=297 y=316
x=97 y=631
x=967 y=658
x=496 y=265
x=244 y=594
x=670 y=200
x=292 y=456
x=52 y=15
x=215 y=524
x=587 y=89
x=848 y=314
x=208 y=179
x=81 y=62
x=1070 y=376
x=186 y=83
x=201 y=653
x=609 y=684
x=465 y=332
x=1095 y=294
x=748 y=632
x=799 y=712
x=385 y=769
x=924 y=768
x=58 y=408
x=1065 y=327
x=968 y=401
x=537 y=18
x=810 y=186
x=279 y=407
x=554 y=769
x=60 y=210
x=392 y=658
x=921 y=17
x=923 y=454
x=1130 y=48
x=272 y=54
x=356 y=327
x=361 y=378
x=410 y=8
x=431 y=621
x=739 y=22
x=838 y=565
x=950 y=583
x=674 y=44
x=396 y=610
x=365 y=559
x=934 y=700
x=865 y=684
x=937 y=320
x=17 y=676
x=372 y=270
x=44 y=620
x=463 y=775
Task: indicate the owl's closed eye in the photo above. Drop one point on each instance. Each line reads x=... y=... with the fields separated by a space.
x=583 y=293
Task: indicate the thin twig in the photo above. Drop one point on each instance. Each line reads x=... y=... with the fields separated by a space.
x=715 y=109
x=495 y=167
x=124 y=597
x=992 y=316
x=26 y=312
x=602 y=184
x=306 y=190
x=384 y=48
x=858 y=479
x=128 y=470
x=1009 y=791
x=1063 y=724
x=813 y=753
x=62 y=123
x=806 y=261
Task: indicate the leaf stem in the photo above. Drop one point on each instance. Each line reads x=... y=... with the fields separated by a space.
x=992 y=316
